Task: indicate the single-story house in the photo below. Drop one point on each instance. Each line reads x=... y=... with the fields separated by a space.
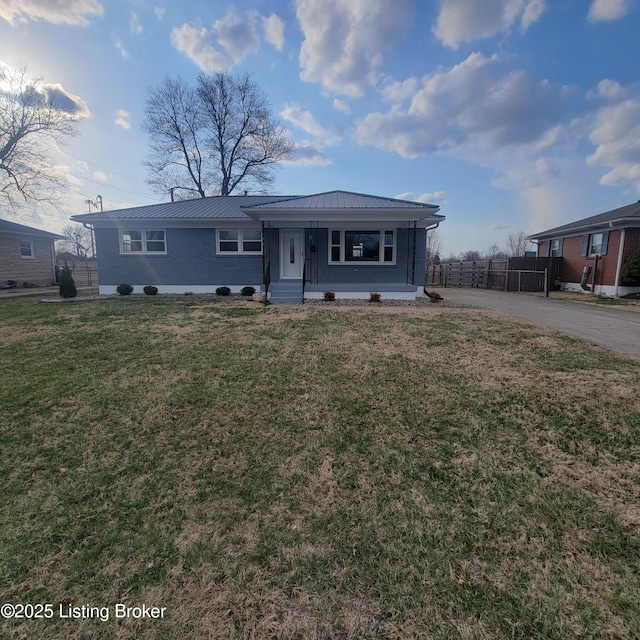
x=594 y=250
x=292 y=247
x=27 y=254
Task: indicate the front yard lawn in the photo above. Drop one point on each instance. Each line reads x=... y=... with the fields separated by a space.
x=267 y=472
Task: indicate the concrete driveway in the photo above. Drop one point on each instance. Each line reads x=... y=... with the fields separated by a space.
x=613 y=328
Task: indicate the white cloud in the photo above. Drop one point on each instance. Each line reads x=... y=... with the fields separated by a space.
x=195 y=42
x=159 y=11
x=423 y=197
x=399 y=91
x=306 y=121
x=303 y=120
x=463 y=21
x=238 y=36
x=64 y=100
x=615 y=134
x=344 y=40
x=134 y=24
x=306 y=155
x=123 y=119
x=120 y=47
x=59 y=12
x=101 y=176
x=274 y=31
x=474 y=104
x=341 y=106
x=608 y=10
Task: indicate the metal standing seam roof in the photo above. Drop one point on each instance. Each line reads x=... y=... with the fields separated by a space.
x=631 y=211
x=216 y=207
x=14 y=227
x=344 y=200
x=231 y=207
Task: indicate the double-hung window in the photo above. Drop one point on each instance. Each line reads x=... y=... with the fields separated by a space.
x=555 y=248
x=595 y=244
x=26 y=249
x=364 y=246
x=239 y=241
x=143 y=241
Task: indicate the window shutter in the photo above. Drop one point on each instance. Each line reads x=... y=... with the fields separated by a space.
x=585 y=245
x=605 y=243
x=560 y=247
x=547 y=252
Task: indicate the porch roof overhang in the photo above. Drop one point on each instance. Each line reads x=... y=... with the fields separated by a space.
x=342 y=217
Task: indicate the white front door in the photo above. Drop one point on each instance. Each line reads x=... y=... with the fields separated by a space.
x=291 y=253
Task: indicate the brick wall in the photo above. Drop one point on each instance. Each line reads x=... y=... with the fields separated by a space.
x=574 y=263
x=37 y=270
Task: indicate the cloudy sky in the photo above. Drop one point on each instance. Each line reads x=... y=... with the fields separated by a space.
x=509 y=114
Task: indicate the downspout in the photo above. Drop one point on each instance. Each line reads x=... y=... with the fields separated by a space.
x=616 y=291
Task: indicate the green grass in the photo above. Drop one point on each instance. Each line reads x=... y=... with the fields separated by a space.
x=312 y=473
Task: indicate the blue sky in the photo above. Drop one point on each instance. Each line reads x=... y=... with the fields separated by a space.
x=509 y=114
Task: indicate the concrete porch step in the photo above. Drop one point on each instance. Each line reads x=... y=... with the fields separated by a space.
x=286 y=292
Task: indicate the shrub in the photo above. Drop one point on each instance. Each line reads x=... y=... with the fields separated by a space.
x=631 y=270
x=29 y=285
x=150 y=290
x=188 y=293
x=375 y=297
x=328 y=296
x=67 y=285
x=124 y=289
x=223 y=291
x=247 y=291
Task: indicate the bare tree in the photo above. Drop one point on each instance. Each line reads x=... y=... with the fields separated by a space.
x=177 y=157
x=32 y=115
x=434 y=247
x=495 y=252
x=213 y=138
x=517 y=244
x=78 y=241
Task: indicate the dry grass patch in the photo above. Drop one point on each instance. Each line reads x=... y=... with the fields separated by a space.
x=316 y=473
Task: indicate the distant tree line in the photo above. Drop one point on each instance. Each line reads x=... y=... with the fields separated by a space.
x=516 y=245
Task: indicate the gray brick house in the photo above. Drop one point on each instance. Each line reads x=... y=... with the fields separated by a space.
x=290 y=246
x=26 y=254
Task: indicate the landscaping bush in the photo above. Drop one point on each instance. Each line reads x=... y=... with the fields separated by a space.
x=223 y=291
x=150 y=290
x=67 y=285
x=247 y=291
x=329 y=296
x=375 y=297
x=631 y=270
x=124 y=289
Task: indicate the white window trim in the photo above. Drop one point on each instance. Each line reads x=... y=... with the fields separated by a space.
x=590 y=252
x=558 y=249
x=364 y=263
x=143 y=236
x=32 y=255
x=240 y=251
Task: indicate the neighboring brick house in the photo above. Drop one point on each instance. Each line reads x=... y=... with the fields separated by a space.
x=351 y=244
x=26 y=254
x=600 y=243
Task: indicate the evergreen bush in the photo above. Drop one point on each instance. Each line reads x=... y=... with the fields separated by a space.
x=223 y=291
x=150 y=290
x=124 y=289
x=67 y=285
x=247 y=291
x=631 y=270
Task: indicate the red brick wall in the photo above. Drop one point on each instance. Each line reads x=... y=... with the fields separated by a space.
x=574 y=263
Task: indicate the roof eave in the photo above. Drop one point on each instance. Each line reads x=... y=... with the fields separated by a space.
x=618 y=223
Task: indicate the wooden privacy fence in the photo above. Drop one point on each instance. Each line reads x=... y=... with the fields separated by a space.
x=514 y=274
